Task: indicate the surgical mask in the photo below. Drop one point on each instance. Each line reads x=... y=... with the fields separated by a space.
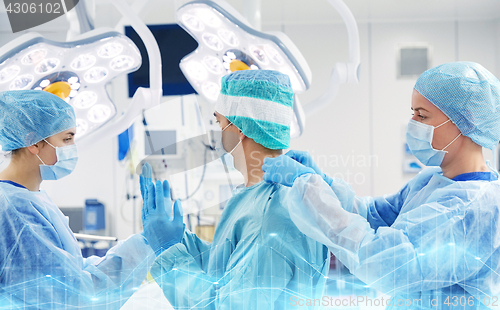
x=67 y=157
x=221 y=152
x=419 y=138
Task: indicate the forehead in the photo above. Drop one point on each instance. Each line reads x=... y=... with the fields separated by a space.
x=420 y=102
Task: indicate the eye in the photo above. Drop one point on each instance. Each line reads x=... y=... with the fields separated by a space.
x=421 y=117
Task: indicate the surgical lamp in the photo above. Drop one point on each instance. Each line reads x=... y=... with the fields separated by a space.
x=75 y=71
x=78 y=72
x=227 y=42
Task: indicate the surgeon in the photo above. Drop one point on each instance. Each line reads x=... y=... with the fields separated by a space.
x=258 y=258
x=41 y=264
x=436 y=242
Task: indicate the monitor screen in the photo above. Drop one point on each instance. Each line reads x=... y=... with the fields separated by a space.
x=175 y=43
x=75 y=218
x=160 y=142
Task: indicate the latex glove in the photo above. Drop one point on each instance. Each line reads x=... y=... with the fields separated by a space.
x=306 y=159
x=160 y=230
x=145 y=178
x=283 y=170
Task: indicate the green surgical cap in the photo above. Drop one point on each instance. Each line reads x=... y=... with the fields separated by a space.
x=469 y=95
x=29 y=116
x=260 y=104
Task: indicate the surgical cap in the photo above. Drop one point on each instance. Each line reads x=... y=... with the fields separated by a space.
x=29 y=116
x=469 y=95
x=260 y=104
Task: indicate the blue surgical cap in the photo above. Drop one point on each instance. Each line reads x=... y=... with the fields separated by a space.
x=260 y=104
x=29 y=116
x=469 y=95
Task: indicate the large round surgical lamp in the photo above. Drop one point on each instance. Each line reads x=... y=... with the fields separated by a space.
x=75 y=71
x=78 y=71
x=227 y=42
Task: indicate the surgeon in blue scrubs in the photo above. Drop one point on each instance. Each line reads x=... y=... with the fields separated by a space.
x=41 y=264
x=258 y=258
x=436 y=242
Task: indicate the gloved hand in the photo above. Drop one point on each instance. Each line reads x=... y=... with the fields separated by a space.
x=283 y=170
x=305 y=159
x=145 y=178
x=160 y=231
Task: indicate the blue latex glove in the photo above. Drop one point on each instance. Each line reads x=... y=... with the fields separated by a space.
x=283 y=170
x=145 y=178
x=306 y=159
x=161 y=231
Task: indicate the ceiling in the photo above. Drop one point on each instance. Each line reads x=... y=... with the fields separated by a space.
x=277 y=12
x=320 y=11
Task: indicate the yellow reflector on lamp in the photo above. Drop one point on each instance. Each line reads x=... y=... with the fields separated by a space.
x=238 y=65
x=60 y=89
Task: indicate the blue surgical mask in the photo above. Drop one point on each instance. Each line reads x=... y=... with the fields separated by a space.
x=419 y=139
x=228 y=157
x=67 y=157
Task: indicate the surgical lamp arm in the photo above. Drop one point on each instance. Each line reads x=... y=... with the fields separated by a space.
x=144 y=98
x=342 y=72
x=352 y=31
x=152 y=48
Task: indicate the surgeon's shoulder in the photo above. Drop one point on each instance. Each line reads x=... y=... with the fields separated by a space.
x=279 y=190
x=15 y=199
x=8 y=193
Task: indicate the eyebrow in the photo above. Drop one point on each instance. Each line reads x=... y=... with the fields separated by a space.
x=418 y=109
x=71 y=133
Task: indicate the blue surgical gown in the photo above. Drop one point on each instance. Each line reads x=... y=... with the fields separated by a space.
x=41 y=265
x=435 y=242
x=258 y=259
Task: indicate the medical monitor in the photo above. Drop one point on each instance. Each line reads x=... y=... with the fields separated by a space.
x=160 y=142
x=174 y=43
x=75 y=216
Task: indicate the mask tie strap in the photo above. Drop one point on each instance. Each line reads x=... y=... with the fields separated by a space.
x=442 y=124
x=227 y=126
x=235 y=147
x=48 y=143
x=451 y=142
x=41 y=160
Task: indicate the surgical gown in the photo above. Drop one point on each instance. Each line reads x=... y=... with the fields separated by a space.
x=258 y=259
x=41 y=265
x=436 y=242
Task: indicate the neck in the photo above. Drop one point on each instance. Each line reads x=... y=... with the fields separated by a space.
x=465 y=161
x=254 y=159
x=23 y=174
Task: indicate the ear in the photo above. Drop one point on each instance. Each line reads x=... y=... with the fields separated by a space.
x=35 y=148
x=242 y=136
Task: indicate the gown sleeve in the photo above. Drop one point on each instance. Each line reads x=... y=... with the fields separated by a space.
x=270 y=259
x=378 y=211
x=250 y=280
x=38 y=269
x=445 y=241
